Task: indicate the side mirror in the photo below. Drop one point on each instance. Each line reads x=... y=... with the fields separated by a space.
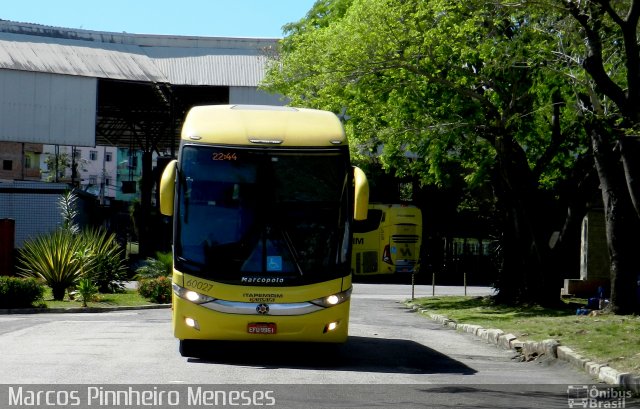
x=168 y=188
x=361 y=195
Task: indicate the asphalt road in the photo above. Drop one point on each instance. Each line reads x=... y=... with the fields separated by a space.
x=394 y=357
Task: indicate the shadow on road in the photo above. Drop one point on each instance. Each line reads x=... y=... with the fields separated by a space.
x=359 y=354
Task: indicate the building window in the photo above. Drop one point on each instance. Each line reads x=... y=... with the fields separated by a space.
x=7 y=165
x=108 y=156
x=107 y=182
x=93 y=180
x=27 y=162
x=93 y=155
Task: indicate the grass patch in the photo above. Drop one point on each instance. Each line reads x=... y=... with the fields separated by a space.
x=606 y=338
x=127 y=298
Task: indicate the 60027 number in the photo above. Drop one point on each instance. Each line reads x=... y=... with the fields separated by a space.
x=199 y=285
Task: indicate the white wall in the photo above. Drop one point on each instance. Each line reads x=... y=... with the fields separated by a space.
x=47 y=108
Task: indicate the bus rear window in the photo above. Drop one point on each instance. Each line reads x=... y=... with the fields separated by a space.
x=374 y=218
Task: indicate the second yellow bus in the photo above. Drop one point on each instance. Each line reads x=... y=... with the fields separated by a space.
x=389 y=241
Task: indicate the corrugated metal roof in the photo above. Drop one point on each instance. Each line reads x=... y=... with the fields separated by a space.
x=169 y=59
x=226 y=70
x=23 y=184
x=151 y=40
x=83 y=58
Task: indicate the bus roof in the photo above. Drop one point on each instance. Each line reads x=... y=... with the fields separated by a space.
x=399 y=213
x=262 y=125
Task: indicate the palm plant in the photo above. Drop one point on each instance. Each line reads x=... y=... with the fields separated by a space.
x=55 y=258
x=68 y=211
x=86 y=290
x=109 y=270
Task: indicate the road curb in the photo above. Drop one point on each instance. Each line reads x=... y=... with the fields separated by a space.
x=10 y=311
x=533 y=349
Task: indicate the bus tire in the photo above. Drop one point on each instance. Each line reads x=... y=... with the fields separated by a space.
x=188 y=348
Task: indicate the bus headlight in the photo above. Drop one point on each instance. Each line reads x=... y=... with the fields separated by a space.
x=192 y=323
x=333 y=299
x=190 y=295
x=330 y=327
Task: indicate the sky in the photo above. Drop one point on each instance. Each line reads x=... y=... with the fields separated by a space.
x=207 y=18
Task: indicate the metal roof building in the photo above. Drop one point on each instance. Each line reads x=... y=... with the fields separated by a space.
x=80 y=87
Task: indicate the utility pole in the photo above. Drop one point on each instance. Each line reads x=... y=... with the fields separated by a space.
x=102 y=183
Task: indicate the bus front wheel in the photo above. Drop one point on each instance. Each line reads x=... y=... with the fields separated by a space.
x=188 y=348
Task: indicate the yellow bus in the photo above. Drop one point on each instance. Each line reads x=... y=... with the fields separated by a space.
x=263 y=200
x=388 y=242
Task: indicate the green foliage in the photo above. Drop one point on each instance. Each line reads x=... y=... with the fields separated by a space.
x=107 y=257
x=68 y=211
x=158 y=289
x=473 y=91
x=161 y=266
x=440 y=79
x=56 y=258
x=126 y=298
x=65 y=256
x=57 y=162
x=18 y=292
x=319 y=16
x=152 y=278
x=86 y=291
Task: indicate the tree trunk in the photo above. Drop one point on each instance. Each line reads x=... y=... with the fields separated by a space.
x=524 y=276
x=621 y=224
x=58 y=292
x=630 y=152
x=577 y=192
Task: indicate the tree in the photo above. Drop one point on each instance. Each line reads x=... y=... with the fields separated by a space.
x=453 y=82
x=605 y=45
x=57 y=165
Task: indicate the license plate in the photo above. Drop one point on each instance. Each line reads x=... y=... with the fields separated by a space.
x=261 y=328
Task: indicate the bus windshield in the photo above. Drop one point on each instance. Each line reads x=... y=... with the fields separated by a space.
x=263 y=217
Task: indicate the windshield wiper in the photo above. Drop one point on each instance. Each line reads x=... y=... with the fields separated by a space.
x=194 y=266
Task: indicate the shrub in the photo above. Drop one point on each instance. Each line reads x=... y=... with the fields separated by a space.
x=157 y=290
x=161 y=266
x=86 y=291
x=18 y=292
x=63 y=257
x=58 y=258
x=110 y=271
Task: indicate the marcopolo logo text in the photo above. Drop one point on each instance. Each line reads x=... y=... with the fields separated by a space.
x=262 y=280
